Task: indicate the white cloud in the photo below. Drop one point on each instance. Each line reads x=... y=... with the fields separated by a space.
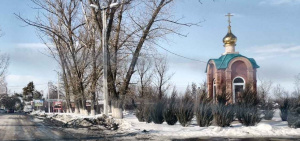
x=275 y=50
x=17 y=82
x=279 y=2
x=237 y=15
x=278 y=62
x=31 y=45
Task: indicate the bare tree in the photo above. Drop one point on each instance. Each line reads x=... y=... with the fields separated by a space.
x=75 y=30
x=264 y=89
x=65 y=29
x=279 y=92
x=297 y=85
x=145 y=75
x=145 y=22
x=162 y=77
x=4 y=62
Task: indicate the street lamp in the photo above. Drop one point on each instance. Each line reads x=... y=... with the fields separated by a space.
x=104 y=49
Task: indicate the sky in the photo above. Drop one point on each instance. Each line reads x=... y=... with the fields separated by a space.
x=267 y=30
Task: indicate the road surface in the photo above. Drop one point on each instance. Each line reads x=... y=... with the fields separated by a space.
x=23 y=127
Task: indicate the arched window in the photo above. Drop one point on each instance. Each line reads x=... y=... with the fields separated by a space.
x=214 y=90
x=238 y=85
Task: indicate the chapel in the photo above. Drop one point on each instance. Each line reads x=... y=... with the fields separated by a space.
x=231 y=71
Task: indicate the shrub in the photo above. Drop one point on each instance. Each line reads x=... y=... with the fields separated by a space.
x=169 y=112
x=147 y=113
x=268 y=114
x=185 y=110
x=293 y=118
x=268 y=110
x=139 y=112
x=169 y=116
x=247 y=107
x=248 y=115
x=223 y=114
x=284 y=108
x=157 y=112
x=204 y=113
x=223 y=97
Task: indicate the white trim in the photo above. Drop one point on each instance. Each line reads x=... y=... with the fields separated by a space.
x=214 y=90
x=237 y=84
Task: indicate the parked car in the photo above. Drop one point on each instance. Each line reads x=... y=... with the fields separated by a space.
x=2 y=111
x=10 y=111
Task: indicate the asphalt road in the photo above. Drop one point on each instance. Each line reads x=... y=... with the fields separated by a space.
x=23 y=127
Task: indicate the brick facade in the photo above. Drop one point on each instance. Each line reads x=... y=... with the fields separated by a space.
x=238 y=67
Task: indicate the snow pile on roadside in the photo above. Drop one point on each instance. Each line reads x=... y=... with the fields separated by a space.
x=72 y=120
x=273 y=128
x=37 y=112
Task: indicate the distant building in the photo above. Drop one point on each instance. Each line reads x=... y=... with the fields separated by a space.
x=231 y=71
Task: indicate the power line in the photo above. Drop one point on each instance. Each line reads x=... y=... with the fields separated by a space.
x=180 y=55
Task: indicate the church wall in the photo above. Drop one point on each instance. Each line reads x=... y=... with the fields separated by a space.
x=224 y=77
x=239 y=68
x=210 y=77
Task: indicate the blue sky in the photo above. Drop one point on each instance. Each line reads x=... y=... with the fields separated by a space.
x=267 y=30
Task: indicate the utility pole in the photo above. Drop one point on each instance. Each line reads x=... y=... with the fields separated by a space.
x=58 y=89
x=104 y=49
x=105 y=88
x=58 y=86
x=48 y=98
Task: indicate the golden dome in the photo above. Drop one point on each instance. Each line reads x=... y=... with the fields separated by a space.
x=229 y=39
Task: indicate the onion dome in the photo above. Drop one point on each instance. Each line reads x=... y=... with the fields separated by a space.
x=229 y=39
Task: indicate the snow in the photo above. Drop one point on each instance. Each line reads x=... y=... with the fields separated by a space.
x=272 y=128
x=65 y=117
x=130 y=124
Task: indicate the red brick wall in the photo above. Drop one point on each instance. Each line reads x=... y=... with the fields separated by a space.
x=239 y=68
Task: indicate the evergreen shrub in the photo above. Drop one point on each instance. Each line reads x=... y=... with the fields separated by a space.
x=293 y=117
x=204 y=113
x=139 y=112
x=185 y=110
x=170 y=110
x=157 y=112
x=147 y=113
x=284 y=108
x=247 y=107
x=268 y=111
x=223 y=113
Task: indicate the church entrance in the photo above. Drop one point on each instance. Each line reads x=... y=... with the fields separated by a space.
x=238 y=87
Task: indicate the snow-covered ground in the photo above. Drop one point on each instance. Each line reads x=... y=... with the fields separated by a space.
x=131 y=125
x=273 y=128
x=65 y=117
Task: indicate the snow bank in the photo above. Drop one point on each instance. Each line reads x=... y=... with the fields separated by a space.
x=130 y=124
x=273 y=128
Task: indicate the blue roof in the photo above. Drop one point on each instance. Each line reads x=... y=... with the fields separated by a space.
x=223 y=61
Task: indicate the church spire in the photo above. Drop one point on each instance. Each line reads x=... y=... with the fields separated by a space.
x=229 y=40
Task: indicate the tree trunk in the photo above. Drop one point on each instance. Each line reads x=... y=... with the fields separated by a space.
x=117 y=109
x=77 y=111
x=93 y=112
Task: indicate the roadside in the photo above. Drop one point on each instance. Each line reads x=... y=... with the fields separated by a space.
x=18 y=126
x=88 y=128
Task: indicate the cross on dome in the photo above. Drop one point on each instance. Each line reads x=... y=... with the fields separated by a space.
x=229 y=15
